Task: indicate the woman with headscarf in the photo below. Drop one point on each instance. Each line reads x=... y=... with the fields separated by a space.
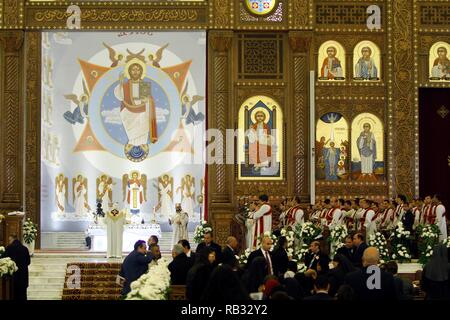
x=336 y=276
x=224 y=285
x=435 y=275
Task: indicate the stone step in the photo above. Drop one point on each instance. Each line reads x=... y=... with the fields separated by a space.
x=93 y=297
x=33 y=286
x=44 y=297
x=92 y=291
x=50 y=280
x=98 y=283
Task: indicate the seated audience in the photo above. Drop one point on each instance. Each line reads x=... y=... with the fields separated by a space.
x=224 y=286
x=179 y=267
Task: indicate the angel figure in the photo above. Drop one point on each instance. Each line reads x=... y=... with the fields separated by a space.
x=187 y=189
x=116 y=60
x=201 y=196
x=104 y=191
x=154 y=60
x=138 y=56
x=56 y=147
x=187 y=107
x=165 y=195
x=61 y=187
x=135 y=194
x=48 y=68
x=80 y=196
x=48 y=108
x=82 y=107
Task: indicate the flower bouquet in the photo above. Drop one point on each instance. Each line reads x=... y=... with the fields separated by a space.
x=378 y=241
x=307 y=232
x=153 y=285
x=243 y=258
x=29 y=231
x=428 y=238
x=337 y=237
x=2 y=251
x=7 y=267
x=399 y=240
x=289 y=234
x=200 y=231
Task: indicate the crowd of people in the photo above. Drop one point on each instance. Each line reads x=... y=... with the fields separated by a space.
x=214 y=273
x=359 y=215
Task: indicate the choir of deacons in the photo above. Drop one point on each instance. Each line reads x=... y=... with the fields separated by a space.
x=359 y=215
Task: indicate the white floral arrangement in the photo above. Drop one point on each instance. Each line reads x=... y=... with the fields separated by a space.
x=7 y=267
x=29 y=231
x=378 y=241
x=447 y=242
x=298 y=257
x=307 y=232
x=243 y=258
x=2 y=251
x=200 y=231
x=337 y=237
x=399 y=250
x=428 y=238
x=290 y=237
x=153 y=285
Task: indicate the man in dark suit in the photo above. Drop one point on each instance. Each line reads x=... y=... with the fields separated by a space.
x=21 y=256
x=208 y=242
x=360 y=246
x=264 y=251
x=348 y=249
x=135 y=265
x=187 y=251
x=381 y=284
x=179 y=266
x=321 y=288
x=315 y=256
x=229 y=253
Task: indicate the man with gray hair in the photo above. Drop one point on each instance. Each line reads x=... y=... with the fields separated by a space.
x=180 y=266
x=371 y=283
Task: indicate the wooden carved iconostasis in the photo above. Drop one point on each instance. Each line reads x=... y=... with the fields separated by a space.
x=258 y=69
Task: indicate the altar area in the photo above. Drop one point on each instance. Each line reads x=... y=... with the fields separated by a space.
x=131 y=234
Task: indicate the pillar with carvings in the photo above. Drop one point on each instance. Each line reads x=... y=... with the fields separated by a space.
x=220 y=175
x=300 y=46
x=11 y=109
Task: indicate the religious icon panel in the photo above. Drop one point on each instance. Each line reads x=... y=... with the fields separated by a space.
x=367 y=148
x=121 y=112
x=260 y=137
x=331 y=61
x=366 y=61
x=439 y=62
x=332 y=147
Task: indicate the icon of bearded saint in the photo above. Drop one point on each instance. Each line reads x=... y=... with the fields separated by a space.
x=137 y=110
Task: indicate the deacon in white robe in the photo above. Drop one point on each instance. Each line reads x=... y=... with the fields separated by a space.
x=295 y=216
x=250 y=225
x=114 y=221
x=179 y=223
x=441 y=221
x=369 y=222
x=336 y=220
x=263 y=220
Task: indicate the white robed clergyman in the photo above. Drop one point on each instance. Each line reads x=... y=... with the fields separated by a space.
x=263 y=221
x=114 y=221
x=369 y=222
x=250 y=225
x=441 y=221
x=180 y=223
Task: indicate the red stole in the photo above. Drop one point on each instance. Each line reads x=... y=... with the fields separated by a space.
x=129 y=191
x=329 y=215
x=291 y=215
x=260 y=223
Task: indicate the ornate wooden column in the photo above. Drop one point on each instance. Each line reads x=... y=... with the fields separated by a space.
x=401 y=94
x=33 y=128
x=220 y=175
x=300 y=45
x=11 y=113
